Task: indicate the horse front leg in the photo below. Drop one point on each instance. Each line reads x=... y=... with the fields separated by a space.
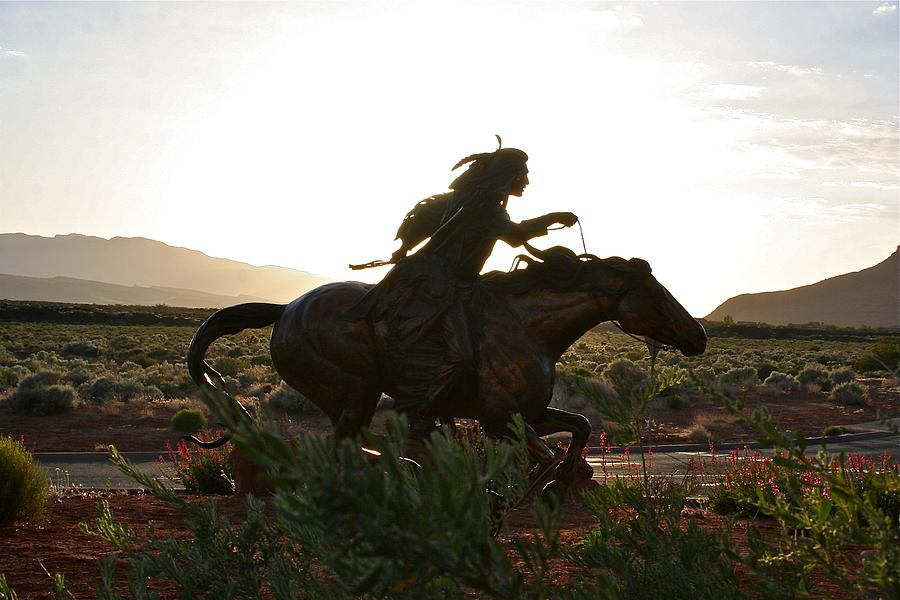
x=554 y=420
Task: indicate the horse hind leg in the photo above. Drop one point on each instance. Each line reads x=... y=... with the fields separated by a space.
x=356 y=415
x=553 y=420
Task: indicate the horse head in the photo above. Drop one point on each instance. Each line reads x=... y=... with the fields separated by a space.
x=640 y=304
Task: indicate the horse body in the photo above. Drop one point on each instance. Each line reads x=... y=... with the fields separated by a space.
x=338 y=364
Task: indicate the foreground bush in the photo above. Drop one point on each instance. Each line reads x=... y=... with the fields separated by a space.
x=24 y=486
x=200 y=470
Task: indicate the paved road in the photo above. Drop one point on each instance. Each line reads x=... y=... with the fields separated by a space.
x=93 y=470
x=675 y=460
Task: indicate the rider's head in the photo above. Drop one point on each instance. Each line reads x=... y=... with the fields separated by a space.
x=503 y=171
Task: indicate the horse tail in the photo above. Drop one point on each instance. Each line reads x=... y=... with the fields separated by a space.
x=227 y=321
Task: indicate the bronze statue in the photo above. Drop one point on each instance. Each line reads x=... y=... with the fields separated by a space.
x=428 y=309
x=529 y=318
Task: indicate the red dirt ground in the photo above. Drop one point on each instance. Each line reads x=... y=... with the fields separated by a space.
x=54 y=544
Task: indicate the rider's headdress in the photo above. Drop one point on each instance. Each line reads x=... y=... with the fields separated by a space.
x=489 y=169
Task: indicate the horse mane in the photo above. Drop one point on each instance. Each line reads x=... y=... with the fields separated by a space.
x=558 y=269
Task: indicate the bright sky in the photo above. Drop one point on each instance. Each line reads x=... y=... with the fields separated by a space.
x=737 y=147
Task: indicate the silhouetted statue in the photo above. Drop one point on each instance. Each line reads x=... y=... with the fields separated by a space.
x=446 y=342
x=428 y=307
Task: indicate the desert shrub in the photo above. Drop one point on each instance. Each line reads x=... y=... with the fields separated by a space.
x=673 y=402
x=40 y=379
x=255 y=374
x=123 y=343
x=201 y=470
x=8 y=377
x=261 y=359
x=88 y=349
x=705 y=377
x=173 y=380
x=832 y=430
x=743 y=376
x=850 y=393
x=625 y=374
x=41 y=395
x=289 y=400
x=814 y=375
x=842 y=375
x=44 y=401
x=188 y=420
x=763 y=370
x=104 y=390
x=782 y=381
x=884 y=356
x=24 y=485
x=229 y=365
x=138 y=357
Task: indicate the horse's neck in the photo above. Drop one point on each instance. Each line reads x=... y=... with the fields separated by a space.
x=557 y=319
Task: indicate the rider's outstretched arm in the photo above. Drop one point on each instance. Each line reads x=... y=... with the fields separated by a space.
x=519 y=233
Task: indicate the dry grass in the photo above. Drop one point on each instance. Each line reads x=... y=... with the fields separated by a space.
x=700 y=429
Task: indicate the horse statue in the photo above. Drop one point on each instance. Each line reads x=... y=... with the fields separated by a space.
x=541 y=310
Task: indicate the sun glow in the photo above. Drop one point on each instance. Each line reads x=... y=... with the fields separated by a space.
x=299 y=134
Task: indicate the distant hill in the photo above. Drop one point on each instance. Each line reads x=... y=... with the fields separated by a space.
x=82 y=291
x=867 y=298
x=147 y=263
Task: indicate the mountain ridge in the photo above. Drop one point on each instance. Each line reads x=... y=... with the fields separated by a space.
x=139 y=261
x=82 y=291
x=868 y=297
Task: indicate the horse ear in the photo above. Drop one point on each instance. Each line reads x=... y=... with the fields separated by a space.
x=639 y=265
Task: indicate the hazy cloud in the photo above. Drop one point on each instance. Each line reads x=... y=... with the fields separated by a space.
x=818 y=211
x=885 y=9
x=798 y=71
x=858 y=144
x=730 y=91
x=616 y=18
x=8 y=52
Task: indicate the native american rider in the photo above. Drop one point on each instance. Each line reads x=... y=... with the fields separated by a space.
x=425 y=311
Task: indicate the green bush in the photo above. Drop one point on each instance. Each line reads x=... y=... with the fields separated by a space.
x=286 y=398
x=40 y=379
x=763 y=370
x=814 y=374
x=842 y=375
x=743 y=376
x=87 y=349
x=625 y=374
x=39 y=394
x=832 y=430
x=884 y=356
x=229 y=365
x=106 y=389
x=782 y=381
x=8 y=377
x=673 y=402
x=851 y=394
x=188 y=420
x=24 y=486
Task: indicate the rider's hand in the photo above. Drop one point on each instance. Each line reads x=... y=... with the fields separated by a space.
x=566 y=219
